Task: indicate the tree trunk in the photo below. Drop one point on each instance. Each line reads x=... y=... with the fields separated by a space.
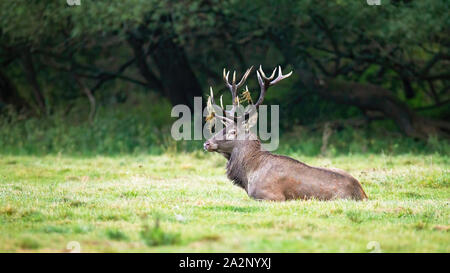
x=8 y=93
x=179 y=81
x=372 y=97
x=90 y=97
x=30 y=73
x=141 y=62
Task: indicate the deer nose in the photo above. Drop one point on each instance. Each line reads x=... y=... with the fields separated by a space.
x=206 y=145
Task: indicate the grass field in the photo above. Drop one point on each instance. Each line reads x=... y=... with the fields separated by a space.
x=184 y=203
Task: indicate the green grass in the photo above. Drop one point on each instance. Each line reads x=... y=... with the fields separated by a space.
x=184 y=203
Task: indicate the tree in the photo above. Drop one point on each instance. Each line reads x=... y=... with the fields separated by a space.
x=391 y=59
x=374 y=52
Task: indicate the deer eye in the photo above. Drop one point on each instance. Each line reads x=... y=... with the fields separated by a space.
x=232 y=133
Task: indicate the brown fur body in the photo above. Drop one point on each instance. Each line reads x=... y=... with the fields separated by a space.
x=266 y=176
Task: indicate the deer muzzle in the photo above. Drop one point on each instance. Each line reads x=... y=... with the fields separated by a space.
x=210 y=146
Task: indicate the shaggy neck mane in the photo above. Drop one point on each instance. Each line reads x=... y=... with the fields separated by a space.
x=245 y=156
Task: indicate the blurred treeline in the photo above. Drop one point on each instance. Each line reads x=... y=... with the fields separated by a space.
x=101 y=77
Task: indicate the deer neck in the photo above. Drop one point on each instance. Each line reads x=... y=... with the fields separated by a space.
x=244 y=158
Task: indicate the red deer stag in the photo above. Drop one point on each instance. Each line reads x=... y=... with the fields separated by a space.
x=263 y=175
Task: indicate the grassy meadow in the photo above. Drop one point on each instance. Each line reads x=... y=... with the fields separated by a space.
x=88 y=158
x=183 y=202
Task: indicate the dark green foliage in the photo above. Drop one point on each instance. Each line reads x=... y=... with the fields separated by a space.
x=140 y=129
x=117 y=129
x=53 y=54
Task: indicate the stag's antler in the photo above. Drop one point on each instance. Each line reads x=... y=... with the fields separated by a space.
x=212 y=113
x=234 y=87
x=264 y=83
x=229 y=115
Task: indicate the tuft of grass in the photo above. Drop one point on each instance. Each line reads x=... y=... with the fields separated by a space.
x=156 y=236
x=82 y=229
x=55 y=229
x=129 y=194
x=116 y=234
x=8 y=210
x=29 y=243
x=355 y=216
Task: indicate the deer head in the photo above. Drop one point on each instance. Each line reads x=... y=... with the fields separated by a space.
x=236 y=123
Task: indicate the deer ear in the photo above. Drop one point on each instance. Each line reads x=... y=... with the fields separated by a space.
x=251 y=121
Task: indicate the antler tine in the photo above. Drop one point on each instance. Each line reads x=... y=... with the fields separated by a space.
x=225 y=77
x=244 y=78
x=233 y=83
x=211 y=94
x=264 y=75
x=225 y=120
x=234 y=87
x=280 y=76
x=222 y=118
x=266 y=82
x=263 y=86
